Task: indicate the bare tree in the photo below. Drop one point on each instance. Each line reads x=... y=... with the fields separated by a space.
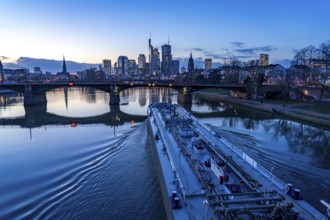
x=258 y=77
x=285 y=85
x=303 y=61
x=323 y=68
x=232 y=71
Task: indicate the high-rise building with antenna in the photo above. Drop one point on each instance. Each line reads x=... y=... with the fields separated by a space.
x=154 y=60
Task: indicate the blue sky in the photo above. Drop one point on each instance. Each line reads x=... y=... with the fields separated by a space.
x=91 y=30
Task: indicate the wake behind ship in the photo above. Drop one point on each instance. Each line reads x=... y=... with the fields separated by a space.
x=203 y=176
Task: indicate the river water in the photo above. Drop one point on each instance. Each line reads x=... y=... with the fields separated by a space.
x=76 y=157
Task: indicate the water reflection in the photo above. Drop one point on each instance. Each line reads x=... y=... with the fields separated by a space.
x=274 y=131
x=10 y=105
x=38 y=116
x=136 y=100
x=77 y=102
x=296 y=150
x=90 y=106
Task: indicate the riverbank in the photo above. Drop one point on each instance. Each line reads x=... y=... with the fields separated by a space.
x=289 y=110
x=7 y=91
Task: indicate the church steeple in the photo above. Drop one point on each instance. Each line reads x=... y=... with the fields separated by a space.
x=64 y=70
x=191 y=64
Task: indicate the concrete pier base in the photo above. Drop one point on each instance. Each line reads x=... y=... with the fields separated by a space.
x=114 y=108
x=114 y=99
x=185 y=98
x=35 y=99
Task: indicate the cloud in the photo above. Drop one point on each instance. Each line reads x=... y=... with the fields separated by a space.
x=196 y=49
x=237 y=44
x=254 y=50
x=4 y=58
x=214 y=55
x=237 y=57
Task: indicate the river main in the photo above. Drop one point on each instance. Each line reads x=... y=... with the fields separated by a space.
x=76 y=157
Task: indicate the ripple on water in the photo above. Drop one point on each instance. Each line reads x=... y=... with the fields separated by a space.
x=102 y=179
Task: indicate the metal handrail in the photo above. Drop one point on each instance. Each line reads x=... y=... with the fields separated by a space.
x=267 y=174
x=181 y=188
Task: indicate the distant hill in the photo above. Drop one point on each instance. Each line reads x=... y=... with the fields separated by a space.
x=53 y=66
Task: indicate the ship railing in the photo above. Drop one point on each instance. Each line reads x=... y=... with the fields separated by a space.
x=327 y=205
x=176 y=177
x=268 y=175
x=260 y=169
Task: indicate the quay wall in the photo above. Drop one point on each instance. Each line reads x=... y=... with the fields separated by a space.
x=279 y=110
x=165 y=196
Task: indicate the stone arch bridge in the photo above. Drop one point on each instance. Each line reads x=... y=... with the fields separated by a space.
x=34 y=93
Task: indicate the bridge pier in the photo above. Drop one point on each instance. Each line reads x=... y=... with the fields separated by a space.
x=114 y=99
x=185 y=98
x=114 y=109
x=114 y=94
x=35 y=99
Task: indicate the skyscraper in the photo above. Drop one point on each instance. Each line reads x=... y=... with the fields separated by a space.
x=151 y=49
x=190 y=64
x=208 y=64
x=131 y=67
x=1 y=72
x=264 y=59
x=141 y=61
x=107 y=67
x=166 y=66
x=122 y=65
x=146 y=69
x=176 y=66
x=115 y=69
x=154 y=60
x=37 y=70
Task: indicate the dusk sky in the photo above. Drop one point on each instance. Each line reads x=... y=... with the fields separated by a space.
x=91 y=30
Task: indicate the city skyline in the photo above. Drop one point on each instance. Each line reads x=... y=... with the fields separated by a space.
x=97 y=30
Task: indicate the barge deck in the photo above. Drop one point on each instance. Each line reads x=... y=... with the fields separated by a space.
x=203 y=176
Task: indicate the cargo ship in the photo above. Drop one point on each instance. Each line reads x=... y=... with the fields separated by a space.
x=203 y=176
